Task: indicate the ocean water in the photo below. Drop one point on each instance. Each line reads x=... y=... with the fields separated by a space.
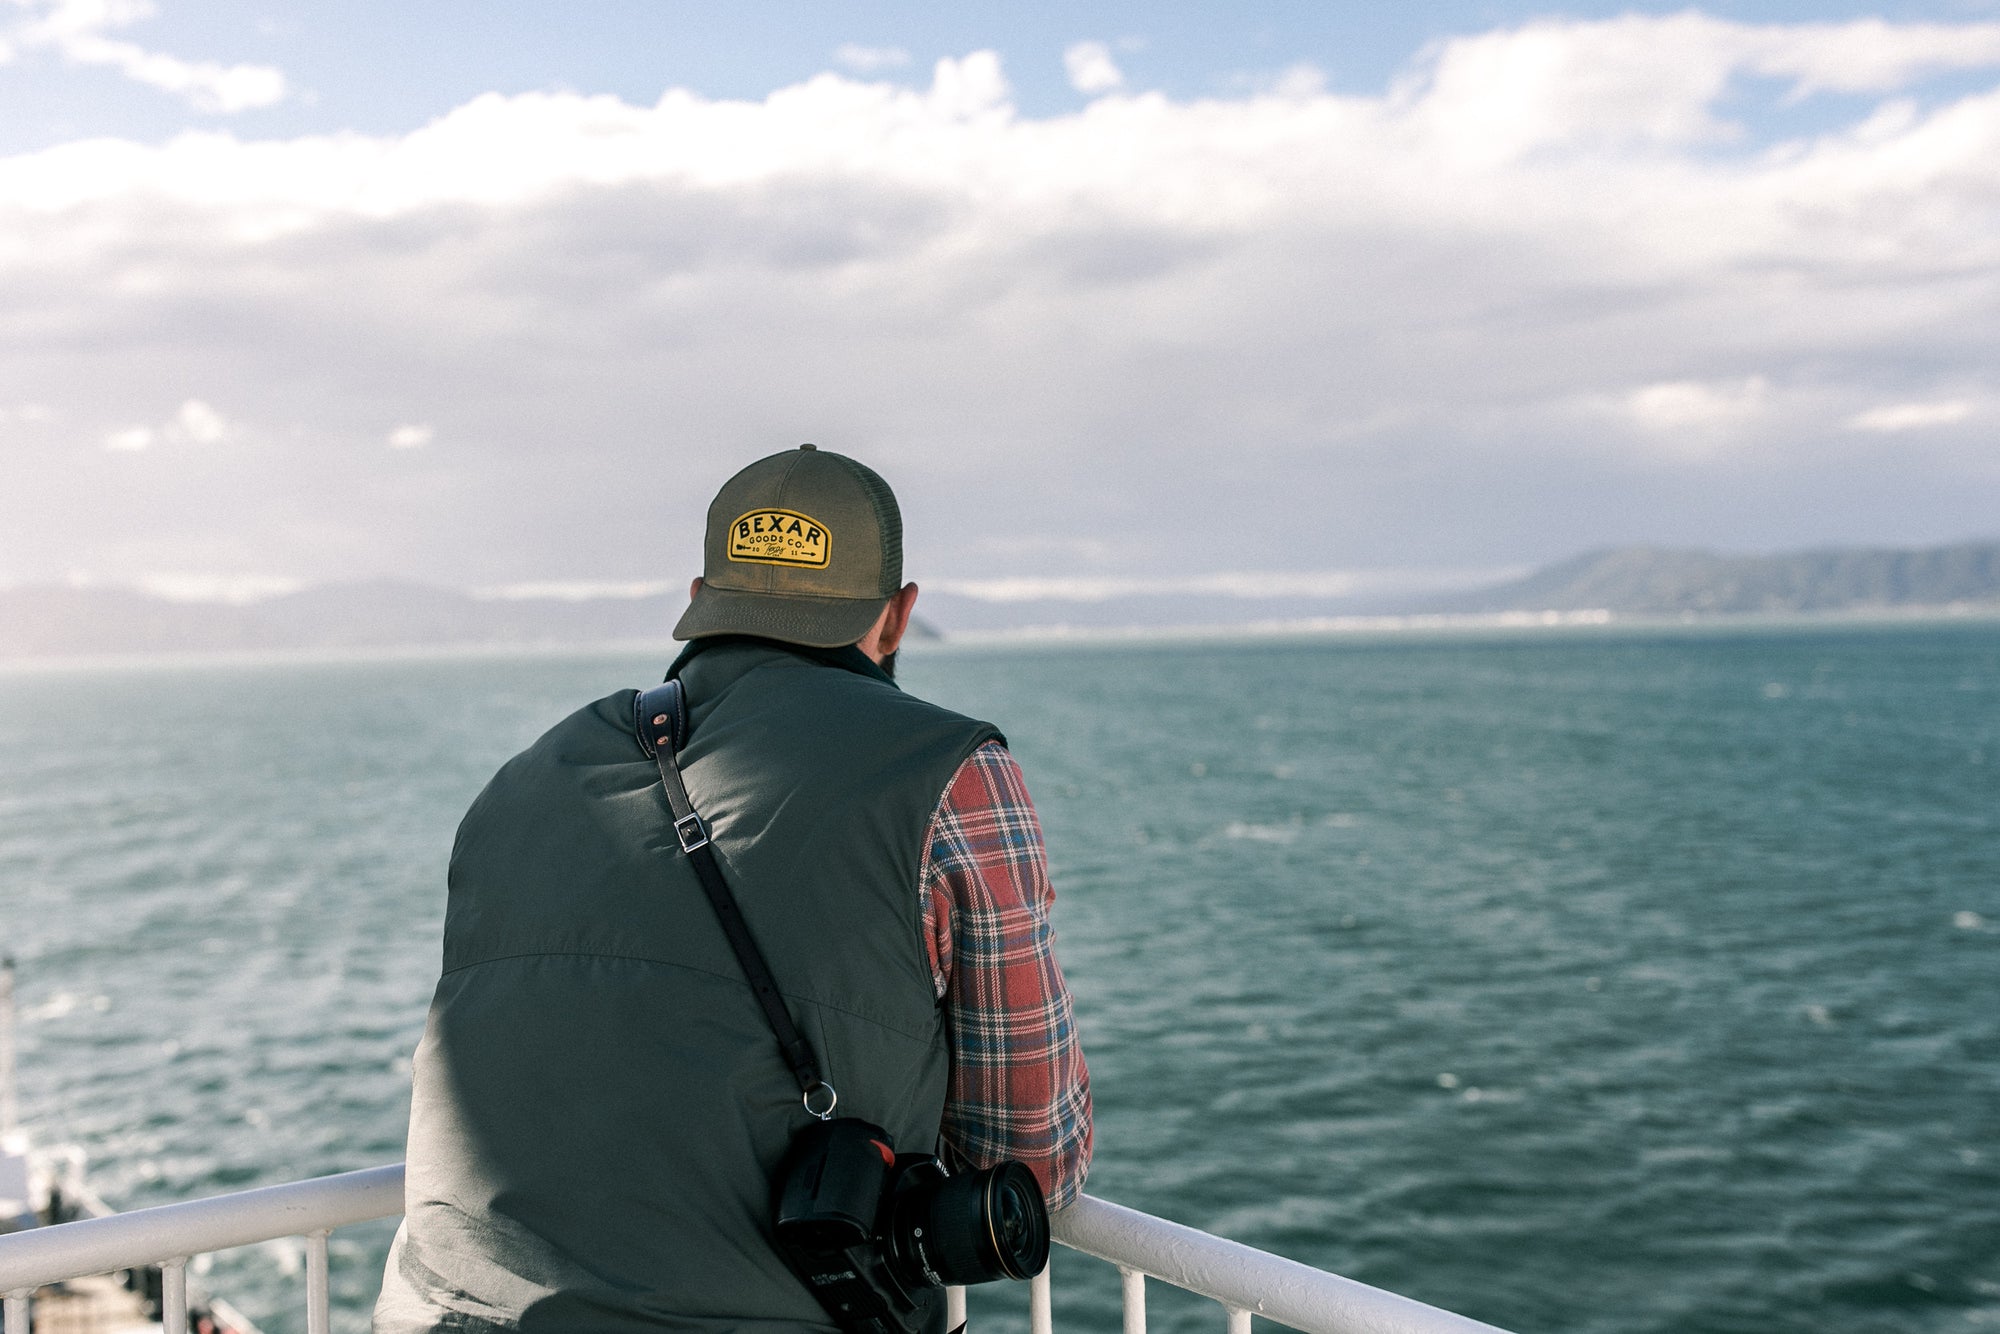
x=1581 y=981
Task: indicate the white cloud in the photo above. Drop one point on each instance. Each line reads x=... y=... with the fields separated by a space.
x=1683 y=405
x=1100 y=588
x=1870 y=55
x=194 y=423
x=1298 y=82
x=75 y=29
x=412 y=436
x=1911 y=416
x=237 y=589
x=870 y=59
x=1135 y=332
x=1091 y=68
x=580 y=590
x=1245 y=585
x=1659 y=80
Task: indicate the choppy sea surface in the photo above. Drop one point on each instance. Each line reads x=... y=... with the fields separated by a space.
x=1585 y=981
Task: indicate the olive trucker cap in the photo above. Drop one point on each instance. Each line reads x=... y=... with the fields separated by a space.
x=804 y=547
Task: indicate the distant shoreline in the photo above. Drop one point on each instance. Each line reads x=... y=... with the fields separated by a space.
x=1436 y=626
x=1442 y=625
x=1625 y=586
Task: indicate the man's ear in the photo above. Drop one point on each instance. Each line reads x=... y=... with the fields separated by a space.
x=897 y=618
x=694 y=588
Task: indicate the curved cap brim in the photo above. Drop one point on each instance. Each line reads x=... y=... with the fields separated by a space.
x=788 y=618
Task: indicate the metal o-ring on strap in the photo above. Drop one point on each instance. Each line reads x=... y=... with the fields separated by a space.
x=832 y=1100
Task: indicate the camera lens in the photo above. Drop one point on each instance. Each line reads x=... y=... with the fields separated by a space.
x=973 y=1228
x=1014 y=1223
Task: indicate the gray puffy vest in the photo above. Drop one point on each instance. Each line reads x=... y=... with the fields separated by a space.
x=599 y=1104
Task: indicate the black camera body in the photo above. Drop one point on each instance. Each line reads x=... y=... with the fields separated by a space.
x=875 y=1233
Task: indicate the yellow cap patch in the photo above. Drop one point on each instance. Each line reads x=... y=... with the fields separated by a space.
x=779 y=537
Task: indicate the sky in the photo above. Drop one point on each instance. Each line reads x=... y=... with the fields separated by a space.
x=1122 y=298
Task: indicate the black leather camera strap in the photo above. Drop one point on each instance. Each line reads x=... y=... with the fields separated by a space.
x=660 y=718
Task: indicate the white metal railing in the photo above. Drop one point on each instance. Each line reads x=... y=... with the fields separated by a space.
x=172 y=1234
x=1244 y=1280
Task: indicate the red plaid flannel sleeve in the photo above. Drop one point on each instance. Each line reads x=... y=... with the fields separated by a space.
x=1019 y=1088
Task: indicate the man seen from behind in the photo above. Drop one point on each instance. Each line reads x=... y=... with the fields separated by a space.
x=599 y=1105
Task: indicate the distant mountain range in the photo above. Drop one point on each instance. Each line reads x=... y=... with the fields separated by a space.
x=1651 y=581
x=48 y=621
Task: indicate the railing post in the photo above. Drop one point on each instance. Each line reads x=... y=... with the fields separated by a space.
x=17 y=1311
x=1132 y=1288
x=1041 y=1314
x=954 y=1307
x=1239 y=1319
x=174 y=1296
x=318 y=1317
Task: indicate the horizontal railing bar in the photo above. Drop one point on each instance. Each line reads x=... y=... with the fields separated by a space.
x=1241 y=1276
x=1229 y=1272
x=196 y=1227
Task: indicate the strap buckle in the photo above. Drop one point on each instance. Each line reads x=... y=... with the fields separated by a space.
x=689 y=830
